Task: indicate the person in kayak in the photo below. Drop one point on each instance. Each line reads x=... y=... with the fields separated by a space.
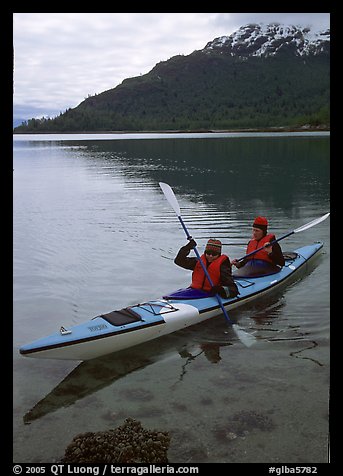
x=217 y=264
x=269 y=260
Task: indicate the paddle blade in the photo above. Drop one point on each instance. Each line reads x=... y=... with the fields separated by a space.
x=169 y=194
x=311 y=223
x=247 y=339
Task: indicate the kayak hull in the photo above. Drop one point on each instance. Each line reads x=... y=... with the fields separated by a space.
x=134 y=325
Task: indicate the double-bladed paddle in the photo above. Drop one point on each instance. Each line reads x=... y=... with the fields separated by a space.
x=297 y=230
x=245 y=338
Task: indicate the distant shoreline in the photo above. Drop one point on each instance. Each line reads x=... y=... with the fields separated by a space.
x=305 y=128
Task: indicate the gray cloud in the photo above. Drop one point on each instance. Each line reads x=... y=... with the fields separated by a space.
x=318 y=21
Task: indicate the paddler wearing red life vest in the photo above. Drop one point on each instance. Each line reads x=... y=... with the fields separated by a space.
x=217 y=264
x=266 y=261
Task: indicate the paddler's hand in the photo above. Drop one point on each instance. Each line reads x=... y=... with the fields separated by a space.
x=218 y=290
x=268 y=248
x=191 y=245
x=235 y=262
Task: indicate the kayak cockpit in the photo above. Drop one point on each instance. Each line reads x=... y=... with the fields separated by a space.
x=188 y=293
x=122 y=317
x=139 y=312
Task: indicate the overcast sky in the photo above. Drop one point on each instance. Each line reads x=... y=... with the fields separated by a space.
x=61 y=58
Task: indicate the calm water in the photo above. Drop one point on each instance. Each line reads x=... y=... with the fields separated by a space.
x=93 y=232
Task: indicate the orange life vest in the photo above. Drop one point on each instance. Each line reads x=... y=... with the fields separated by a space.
x=199 y=279
x=254 y=244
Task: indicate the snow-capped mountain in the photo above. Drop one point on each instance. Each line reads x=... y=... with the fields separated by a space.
x=269 y=40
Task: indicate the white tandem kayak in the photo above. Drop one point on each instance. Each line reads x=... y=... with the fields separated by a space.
x=140 y=323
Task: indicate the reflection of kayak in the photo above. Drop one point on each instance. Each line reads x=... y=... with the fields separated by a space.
x=133 y=325
x=93 y=375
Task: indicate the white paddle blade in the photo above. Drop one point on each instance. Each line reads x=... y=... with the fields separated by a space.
x=312 y=223
x=169 y=194
x=247 y=339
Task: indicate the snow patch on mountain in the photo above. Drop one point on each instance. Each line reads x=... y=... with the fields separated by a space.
x=270 y=39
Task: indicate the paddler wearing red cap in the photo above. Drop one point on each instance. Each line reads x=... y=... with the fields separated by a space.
x=269 y=260
x=217 y=265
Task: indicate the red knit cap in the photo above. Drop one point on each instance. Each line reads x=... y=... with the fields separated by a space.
x=214 y=245
x=261 y=221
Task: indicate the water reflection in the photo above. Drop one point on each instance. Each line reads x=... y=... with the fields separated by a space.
x=227 y=170
x=211 y=350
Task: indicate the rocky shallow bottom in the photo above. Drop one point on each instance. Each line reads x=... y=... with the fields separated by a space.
x=129 y=443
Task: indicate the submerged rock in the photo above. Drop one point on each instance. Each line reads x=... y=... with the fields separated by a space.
x=129 y=443
x=241 y=424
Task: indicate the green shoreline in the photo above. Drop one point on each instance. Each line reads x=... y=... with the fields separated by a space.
x=305 y=128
